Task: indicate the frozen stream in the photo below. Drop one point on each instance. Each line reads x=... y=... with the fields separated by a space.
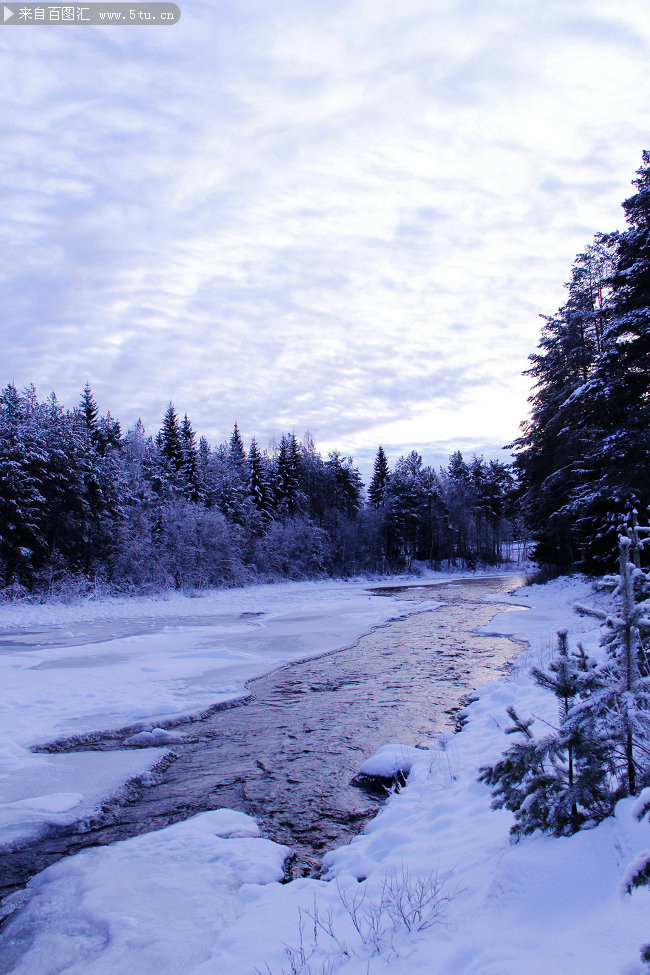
x=287 y=755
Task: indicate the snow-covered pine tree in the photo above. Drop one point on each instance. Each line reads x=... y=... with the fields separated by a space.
x=563 y=429
x=287 y=476
x=88 y=408
x=236 y=476
x=559 y=782
x=189 y=475
x=169 y=441
x=379 y=482
x=259 y=487
x=236 y=451
x=344 y=485
x=204 y=454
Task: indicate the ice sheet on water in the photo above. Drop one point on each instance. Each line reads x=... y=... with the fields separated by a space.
x=46 y=790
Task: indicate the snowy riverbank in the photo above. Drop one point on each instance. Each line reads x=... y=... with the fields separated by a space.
x=203 y=896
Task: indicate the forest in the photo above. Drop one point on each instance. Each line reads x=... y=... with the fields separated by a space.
x=84 y=506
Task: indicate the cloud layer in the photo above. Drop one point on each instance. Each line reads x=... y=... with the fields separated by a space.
x=342 y=217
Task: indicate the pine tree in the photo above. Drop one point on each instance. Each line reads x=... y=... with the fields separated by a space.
x=235 y=499
x=600 y=750
x=287 y=476
x=169 y=440
x=89 y=408
x=189 y=475
x=205 y=490
x=236 y=450
x=559 y=782
x=109 y=434
x=583 y=456
x=344 y=484
x=379 y=482
x=259 y=487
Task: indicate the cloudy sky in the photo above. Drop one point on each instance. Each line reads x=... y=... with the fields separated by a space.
x=341 y=216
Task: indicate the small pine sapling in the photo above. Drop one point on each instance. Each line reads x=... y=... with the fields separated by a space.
x=557 y=783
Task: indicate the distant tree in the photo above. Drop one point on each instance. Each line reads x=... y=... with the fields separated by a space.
x=259 y=488
x=189 y=473
x=380 y=478
x=288 y=495
x=169 y=440
x=89 y=408
x=205 y=490
x=345 y=487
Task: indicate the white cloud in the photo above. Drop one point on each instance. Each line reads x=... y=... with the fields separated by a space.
x=344 y=217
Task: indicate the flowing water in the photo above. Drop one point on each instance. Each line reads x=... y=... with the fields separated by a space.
x=288 y=754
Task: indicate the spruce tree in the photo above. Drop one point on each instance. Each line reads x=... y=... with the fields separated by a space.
x=584 y=454
x=236 y=450
x=169 y=440
x=88 y=407
x=561 y=781
x=287 y=476
x=189 y=475
x=379 y=482
x=205 y=489
x=259 y=487
x=236 y=500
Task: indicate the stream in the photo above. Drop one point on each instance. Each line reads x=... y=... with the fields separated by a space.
x=287 y=755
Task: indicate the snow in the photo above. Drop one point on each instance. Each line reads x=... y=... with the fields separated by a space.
x=157 y=736
x=80 y=916
x=642 y=804
x=203 y=897
x=389 y=761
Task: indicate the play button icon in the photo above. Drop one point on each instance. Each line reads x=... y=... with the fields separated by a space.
x=7 y=14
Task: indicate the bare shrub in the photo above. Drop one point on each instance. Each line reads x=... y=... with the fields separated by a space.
x=403 y=906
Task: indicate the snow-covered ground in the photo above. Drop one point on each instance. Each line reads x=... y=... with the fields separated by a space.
x=433 y=886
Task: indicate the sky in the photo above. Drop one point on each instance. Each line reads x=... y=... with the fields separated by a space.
x=340 y=217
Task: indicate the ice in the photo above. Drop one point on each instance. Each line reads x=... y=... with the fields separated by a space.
x=44 y=790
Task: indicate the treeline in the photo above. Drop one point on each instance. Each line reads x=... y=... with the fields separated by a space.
x=82 y=505
x=583 y=459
